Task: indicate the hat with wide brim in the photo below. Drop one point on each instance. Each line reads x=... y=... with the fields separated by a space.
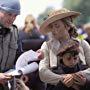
x=56 y=15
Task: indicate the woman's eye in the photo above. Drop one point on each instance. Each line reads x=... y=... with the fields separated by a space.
x=56 y=25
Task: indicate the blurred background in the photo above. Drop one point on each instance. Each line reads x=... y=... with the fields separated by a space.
x=40 y=8
x=37 y=8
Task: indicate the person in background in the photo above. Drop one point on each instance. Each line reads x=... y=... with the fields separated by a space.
x=86 y=28
x=30 y=33
x=9 y=10
x=30 y=30
x=82 y=34
x=61 y=29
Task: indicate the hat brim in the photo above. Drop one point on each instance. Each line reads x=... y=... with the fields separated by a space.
x=43 y=27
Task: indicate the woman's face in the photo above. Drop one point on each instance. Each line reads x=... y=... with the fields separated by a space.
x=70 y=60
x=59 y=29
x=29 y=24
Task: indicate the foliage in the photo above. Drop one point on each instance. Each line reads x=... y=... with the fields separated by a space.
x=81 y=6
x=44 y=15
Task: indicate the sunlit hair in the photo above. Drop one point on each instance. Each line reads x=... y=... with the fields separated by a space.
x=29 y=18
x=29 y=23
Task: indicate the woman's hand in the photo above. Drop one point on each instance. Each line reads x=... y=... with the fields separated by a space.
x=79 y=79
x=68 y=80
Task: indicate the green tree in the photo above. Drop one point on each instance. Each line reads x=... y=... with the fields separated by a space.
x=70 y=4
x=82 y=6
x=44 y=15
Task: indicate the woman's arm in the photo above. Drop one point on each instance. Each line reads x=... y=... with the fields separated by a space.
x=46 y=75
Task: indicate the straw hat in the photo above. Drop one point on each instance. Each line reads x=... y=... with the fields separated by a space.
x=56 y=15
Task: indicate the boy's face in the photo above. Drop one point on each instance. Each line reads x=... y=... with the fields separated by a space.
x=70 y=59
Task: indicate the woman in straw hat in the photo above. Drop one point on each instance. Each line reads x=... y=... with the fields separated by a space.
x=59 y=25
x=69 y=64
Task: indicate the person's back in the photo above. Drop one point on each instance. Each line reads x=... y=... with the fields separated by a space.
x=86 y=28
x=31 y=29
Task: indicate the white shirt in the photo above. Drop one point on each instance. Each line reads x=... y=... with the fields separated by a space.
x=22 y=62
